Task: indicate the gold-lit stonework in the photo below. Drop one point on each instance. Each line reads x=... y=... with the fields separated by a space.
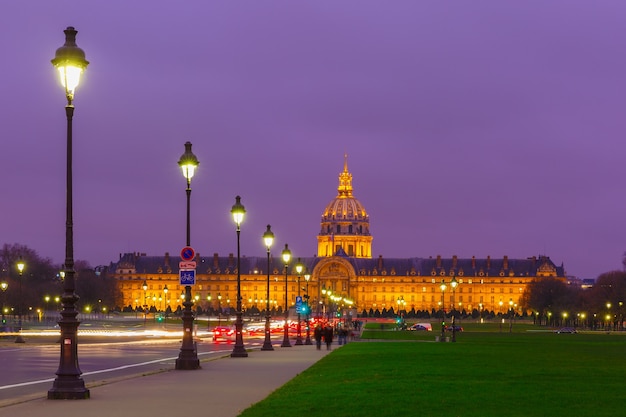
x=343 y=271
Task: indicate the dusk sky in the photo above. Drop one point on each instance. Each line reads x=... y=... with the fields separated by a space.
x=472 y=128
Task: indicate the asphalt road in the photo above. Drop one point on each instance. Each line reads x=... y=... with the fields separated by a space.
x=29 y=369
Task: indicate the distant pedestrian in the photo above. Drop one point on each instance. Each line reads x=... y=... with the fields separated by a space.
x=343 y=336
x=328 y=336
x=317 y=334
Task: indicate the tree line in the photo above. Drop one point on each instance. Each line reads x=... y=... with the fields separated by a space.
x=40 y=285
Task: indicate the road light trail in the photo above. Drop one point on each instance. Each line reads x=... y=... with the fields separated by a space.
x=101 y=371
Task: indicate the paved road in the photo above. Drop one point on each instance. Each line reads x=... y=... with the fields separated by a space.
x=29 y=369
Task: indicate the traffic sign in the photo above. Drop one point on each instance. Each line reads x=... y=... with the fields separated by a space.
x=187 y=265
x=187 y=276
x=187 y=253
x=298 y=304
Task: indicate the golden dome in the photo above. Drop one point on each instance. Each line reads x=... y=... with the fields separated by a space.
x=345 y=207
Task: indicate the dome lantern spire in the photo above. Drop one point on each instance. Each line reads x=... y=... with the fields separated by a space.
x=345 y=180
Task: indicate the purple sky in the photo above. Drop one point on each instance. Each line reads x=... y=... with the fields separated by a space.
x=472 y=128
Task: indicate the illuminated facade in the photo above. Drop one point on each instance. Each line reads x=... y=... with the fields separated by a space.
x=343 y=266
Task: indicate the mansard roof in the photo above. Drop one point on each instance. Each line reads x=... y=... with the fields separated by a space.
x=431 y=267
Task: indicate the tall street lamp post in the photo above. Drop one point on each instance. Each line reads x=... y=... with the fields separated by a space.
x=238 y=212
x=3 y=287
x=286 y=254
x=268 y=239
x=144 y=286
x=208 y=315
x=70 y=62
x=188 y=357
x=166 y=304
x=219 y=309
x=443 y=311
x=307 y=277
x=299 y=268
x=19 y=338
x=511 y=314
x=454 y=283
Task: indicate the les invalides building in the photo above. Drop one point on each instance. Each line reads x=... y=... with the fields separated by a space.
x=342 y=276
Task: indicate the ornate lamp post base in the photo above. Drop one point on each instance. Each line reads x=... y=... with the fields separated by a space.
x=187 y=357
x=267 y=343
x=68 y=384
x=286 y=342
x=239 y=351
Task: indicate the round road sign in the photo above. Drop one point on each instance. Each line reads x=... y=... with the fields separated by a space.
x=187 y=253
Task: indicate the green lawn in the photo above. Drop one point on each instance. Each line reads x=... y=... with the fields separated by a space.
x=486 y=373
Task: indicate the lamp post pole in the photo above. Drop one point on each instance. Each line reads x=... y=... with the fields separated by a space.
x=3 y=287
x=453 y=284
x=144 y=286
x=268 y=239
x=70 y=62
x=219 y=309
x=308 y=341
x=299 y=342
x=208 y=314
x=19 y=338
x=286 y=258
x=188 y=357
x=443 y=311
x=238 y=211
x=166 y=304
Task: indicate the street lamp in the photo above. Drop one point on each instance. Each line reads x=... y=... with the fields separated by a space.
x=166 y=304
x=3 y=287
x=47 y=300
x=511 y=314
x=299 y=268
x=307 y=277
x=19 y=338
x=453 y=284
x=286 y=254
x=443 y=311
x=144 y=286
x=238 y=212
x=68 y=385
x=208 y=314
x=219 y=309
x=188 y=357
x=268 y=239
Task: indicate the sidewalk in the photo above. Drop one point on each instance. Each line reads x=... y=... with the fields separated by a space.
x=223 y=387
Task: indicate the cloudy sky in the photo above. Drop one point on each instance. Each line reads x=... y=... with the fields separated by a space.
x=471 y=128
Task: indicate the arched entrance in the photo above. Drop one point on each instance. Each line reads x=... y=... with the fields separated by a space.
x=336 y=286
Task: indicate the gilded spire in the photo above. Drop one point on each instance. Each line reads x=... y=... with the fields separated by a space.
x=345 y=180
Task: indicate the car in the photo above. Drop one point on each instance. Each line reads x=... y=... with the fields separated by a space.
x=569 y=330
x=420 y=327
x=255 y=330
x=223 y=333
x=456 y=328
